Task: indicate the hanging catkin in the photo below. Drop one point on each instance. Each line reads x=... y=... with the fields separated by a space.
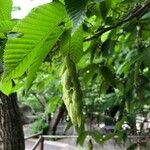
x=72 y=95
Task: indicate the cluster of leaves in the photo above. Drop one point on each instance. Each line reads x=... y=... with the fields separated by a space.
x=46 y=89
x=44 y=97
x=107 y=40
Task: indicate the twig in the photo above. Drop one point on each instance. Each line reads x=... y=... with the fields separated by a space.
x=39 y=100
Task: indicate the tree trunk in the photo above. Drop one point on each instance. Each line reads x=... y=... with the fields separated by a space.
x=55 y=121
x=11 y=132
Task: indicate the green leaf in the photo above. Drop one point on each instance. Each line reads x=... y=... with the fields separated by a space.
x=81 y=138
x=107 y=48
x=130 y=26
x=37 y=29
x=6 y=26
x=53 y=102
x=133 y=146
x=6 y=86
x=146 y=18
x=146 y=56
x=109 y=136
x=72 y=44
x=89 y=72
x=54 y=36
x=131 y=58
x=107 y=74
x=104 y=8
x=5 y=10
x=16 y=87
x=129 y=84
x=5 y=16
x=40 y=86
x=96 y=136
x=76 y=11
x=119 y=124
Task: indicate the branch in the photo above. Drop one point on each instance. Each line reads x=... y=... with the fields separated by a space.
x=39 y=100
x=43 y=99
x=136 y=14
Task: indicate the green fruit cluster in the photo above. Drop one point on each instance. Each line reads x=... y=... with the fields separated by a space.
x=72 y=94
